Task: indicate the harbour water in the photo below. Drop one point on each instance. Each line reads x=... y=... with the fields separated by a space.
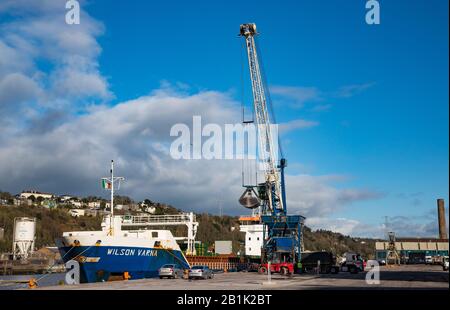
x=10 y=282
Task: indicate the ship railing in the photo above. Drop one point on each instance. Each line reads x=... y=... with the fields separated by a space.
x=158 y=219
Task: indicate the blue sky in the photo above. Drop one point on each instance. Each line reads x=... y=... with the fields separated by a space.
x=392 y=137
x=379 y=93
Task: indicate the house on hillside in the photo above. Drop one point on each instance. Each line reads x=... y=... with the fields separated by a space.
x=77 y=212
x=22 y=201
x=76 y=203
x=28 y=194
x=94 y=205
x=65 y=198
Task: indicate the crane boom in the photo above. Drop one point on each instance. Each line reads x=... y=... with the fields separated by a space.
x=267 y=151
x=281 y=242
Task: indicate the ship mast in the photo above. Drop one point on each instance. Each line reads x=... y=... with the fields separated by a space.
x=111 y=219
x=108 y=183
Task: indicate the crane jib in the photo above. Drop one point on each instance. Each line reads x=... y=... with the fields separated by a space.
x=267 y=151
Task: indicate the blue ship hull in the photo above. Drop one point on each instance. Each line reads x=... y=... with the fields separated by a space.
x=99 y=263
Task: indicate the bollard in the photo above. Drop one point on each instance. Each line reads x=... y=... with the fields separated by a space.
x=32 y=283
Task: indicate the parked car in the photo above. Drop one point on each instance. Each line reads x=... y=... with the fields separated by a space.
x=200 y=272
x=416 y=258
x=445 y=263
x=172 y=271
x=428 y=260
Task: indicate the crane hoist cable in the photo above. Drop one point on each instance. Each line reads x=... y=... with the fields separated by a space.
x=249 y=166
x=269 y=102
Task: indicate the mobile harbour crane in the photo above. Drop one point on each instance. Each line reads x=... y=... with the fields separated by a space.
x=281 y=249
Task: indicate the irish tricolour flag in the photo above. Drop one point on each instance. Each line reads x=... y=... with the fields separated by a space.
x=106 y=184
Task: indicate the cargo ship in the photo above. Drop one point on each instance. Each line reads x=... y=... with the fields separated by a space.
x=113 y=252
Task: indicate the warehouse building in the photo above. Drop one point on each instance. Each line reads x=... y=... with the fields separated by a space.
x=406 y=246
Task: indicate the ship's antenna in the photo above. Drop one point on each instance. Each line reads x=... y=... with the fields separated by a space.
x=108 y=183
x=111 y=225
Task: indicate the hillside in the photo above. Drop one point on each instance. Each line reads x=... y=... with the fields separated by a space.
x=51 y=223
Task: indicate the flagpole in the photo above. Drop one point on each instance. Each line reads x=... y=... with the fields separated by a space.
x=111 y=222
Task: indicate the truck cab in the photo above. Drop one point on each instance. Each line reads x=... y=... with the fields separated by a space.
x=353 y=263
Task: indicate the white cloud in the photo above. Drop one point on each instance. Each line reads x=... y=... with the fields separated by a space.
x=409 y=226
x=52 y=63
x=345 y=226
x=351 y=90
x=314 y=196
x=321 y=107
x=16 y=88
x=297 y=95
x=74 y=155
x=296 y=124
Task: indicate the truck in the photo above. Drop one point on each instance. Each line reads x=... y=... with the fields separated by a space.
x=325 y=261
x=353 y=263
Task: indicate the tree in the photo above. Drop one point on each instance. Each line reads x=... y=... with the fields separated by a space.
x=7 y=196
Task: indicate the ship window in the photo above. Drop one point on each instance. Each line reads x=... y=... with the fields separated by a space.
x=154 y=234
x=249 y=249
x=249 y=238
x=257 y=238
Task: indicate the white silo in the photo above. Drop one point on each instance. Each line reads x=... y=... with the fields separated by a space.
x=24 y=237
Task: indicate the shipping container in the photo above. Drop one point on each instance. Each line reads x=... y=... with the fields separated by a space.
x=223 y=247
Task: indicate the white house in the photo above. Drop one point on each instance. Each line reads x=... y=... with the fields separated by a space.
x=77 y=204
x=65 y=198
x=119 y=207
x=150 y=209
x=77 y=212
x=94 y=205
x=36 y=194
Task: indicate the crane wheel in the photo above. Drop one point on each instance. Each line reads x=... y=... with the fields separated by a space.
x=284 y=271
x=262 y=270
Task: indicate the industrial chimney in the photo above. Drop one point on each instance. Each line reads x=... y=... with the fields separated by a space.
x=441 y=219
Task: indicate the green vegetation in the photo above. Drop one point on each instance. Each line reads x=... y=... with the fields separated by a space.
x=337 y=243
x=50 y=224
